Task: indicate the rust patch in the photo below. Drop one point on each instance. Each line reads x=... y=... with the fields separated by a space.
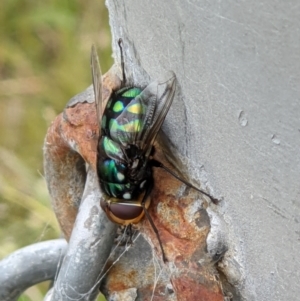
x=188 y=289
x=80 y=130
x=181 y=237
x=122 y=277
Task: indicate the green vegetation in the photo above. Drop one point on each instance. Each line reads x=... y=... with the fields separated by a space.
x=44 y=61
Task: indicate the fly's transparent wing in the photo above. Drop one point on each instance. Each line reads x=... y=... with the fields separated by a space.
x=97 y=83
x=161 y=93
x=142 y=118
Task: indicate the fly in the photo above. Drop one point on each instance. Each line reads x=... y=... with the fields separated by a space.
x=128 y=126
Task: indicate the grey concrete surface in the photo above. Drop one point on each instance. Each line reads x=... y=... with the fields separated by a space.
x=235 y=120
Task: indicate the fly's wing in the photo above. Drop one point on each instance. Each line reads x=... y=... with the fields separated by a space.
x=142 y=118
x=159 y=94
x=97 y=83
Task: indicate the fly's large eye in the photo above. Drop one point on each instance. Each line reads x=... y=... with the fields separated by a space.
x=125 y=212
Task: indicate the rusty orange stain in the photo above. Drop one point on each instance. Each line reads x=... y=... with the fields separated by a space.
x=72 y=139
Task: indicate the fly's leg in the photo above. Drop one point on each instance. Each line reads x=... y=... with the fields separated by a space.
x=130 y=233
x=147 y=193
x=122 y=62
x=156 y=163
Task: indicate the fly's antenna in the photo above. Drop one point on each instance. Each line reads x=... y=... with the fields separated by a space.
x=122 y=62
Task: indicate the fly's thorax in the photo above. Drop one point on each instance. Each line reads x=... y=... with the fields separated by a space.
x=118 y=164
x=137 y=162
x=125 y=191
x=120 y=175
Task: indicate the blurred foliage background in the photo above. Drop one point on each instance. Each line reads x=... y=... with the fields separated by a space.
x=44 y=61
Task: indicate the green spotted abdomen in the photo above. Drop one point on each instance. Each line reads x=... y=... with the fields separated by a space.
x=123 y=116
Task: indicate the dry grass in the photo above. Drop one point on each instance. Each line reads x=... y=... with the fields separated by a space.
x=44 y=61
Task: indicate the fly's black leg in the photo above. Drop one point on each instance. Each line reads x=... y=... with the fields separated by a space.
x=147 y=193
x=122 y=63
x=156 y=163
x=130 y=233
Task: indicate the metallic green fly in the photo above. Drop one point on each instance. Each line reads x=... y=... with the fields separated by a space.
x=128 y=126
